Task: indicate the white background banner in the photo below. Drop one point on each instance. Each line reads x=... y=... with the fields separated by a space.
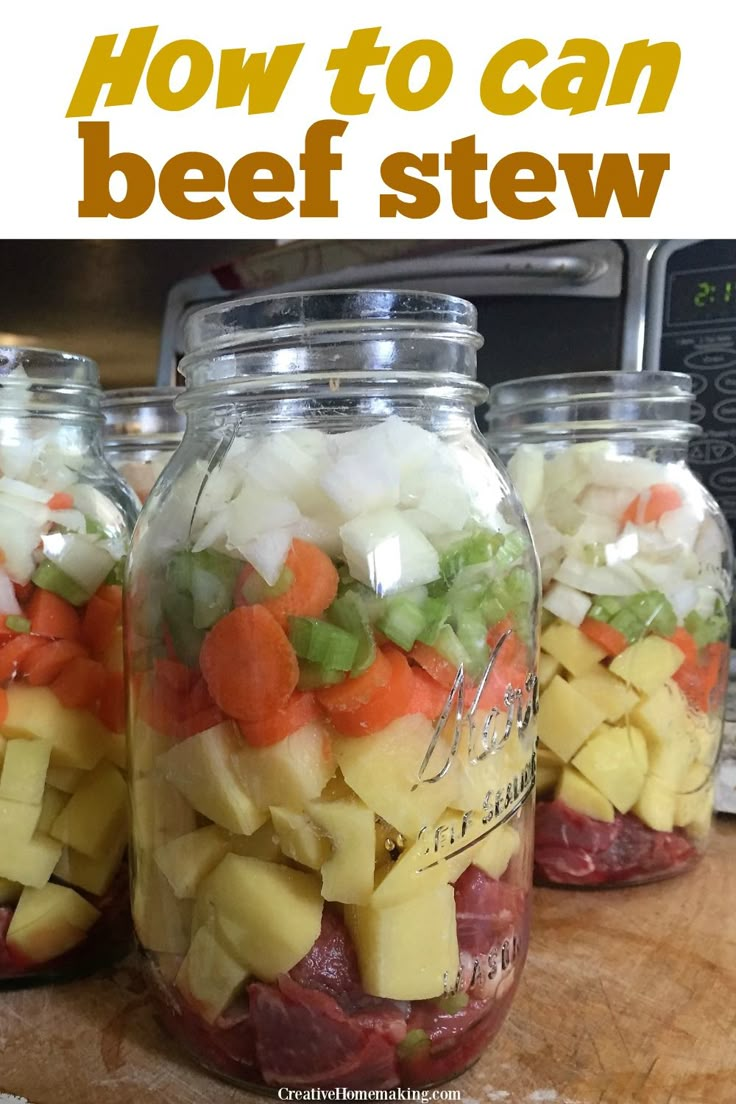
x=480 y=192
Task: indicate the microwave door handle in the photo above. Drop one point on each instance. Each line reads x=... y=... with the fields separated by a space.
x=639 y=254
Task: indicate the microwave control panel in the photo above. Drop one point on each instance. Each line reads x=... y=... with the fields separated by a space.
x=697 y=307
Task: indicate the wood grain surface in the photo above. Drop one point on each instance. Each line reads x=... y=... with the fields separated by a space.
x=629 y=997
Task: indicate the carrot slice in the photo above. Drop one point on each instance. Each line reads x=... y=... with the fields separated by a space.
x=111 y=708
x=14 y=652
x=99 y=624
x=42 y=665
x=3 y=705
x=610 y=639
x=112 y=595
x=248 y=663
x=385 y=705
x=427 y=696
x=197 y=722
x=23 y=592
x=651 y=504
x=301 y=709
x=685 y=642
x=80 y=684
x=52 y=616
x=313 y=589
x=436 y=666
x=60 y=501
x=175 y=676
x=354 y=692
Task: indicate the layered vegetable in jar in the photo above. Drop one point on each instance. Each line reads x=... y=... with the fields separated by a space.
x=64 y=520
x=333 y=616
x=636 y=568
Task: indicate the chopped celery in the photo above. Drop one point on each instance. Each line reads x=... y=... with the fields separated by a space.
x=594 y=554
x=17 y=624
x=314 y=675
x=480 y=547
x=178 y=607
x=513 y=547
x=93 y=527
x=412 y=1042
x=209 y=577
x=708 y=630
x=452 y=1003
x=450 y=648
x=402 y=622
x=605 y=607
x=654 y=611
x=349 y=613
x=436 y=611
x=626 y=622
x=48 y=576
x=472 y=631
x=255 y=589
x=116 y=576
x=321 y=642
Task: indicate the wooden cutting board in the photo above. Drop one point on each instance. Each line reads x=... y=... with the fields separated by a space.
x=629 y=997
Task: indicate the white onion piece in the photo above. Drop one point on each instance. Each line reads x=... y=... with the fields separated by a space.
x=8 y=601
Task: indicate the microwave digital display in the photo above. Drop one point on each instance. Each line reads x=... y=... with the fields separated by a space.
x=702 y=295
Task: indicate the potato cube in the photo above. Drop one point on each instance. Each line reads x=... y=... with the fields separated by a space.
x=204 y=769
x=263 y=844
x=146 y=747
x=92 y=875
x=162 y=923
x=18 y=820
x=546 y=778
x=409 y=950
x=497 y=850
x=292 y=772
x=3 y=745
x=9 y=891
x=299 y=838
x=347 y=874
x=116 y=750
x=267 y=916
x=663 y=715
x=209 y=978
x=160 y=813
x=24 y=771
x=53 y=802
x=76 y=735
x=575 y=651
x=49 y=921
x=656 y=805
x=614 y=697
x=185 y=861
x=66 y=779
x=547 y=668
x=578 y=794
x=30 y=862
x=648 y=663
x=614 y=761
x=91 y=820
x=694 y=804
x=566 y=719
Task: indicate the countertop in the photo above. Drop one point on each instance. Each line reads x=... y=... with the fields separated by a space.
x=629 y=997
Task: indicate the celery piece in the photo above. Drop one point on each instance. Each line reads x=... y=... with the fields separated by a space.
x=412 y=1042
x=454 y=1002
x=349 y=612
x=435 y=611
x=605 y=607
x=48 y=576
x=313 y=675
x=513 y=547
x=402 y=622
x=321 y=642
x=481 y=547
x=594 y=554
x=708 y=630
x=653 y=611
x=17 y=624
x=450 y=647
x=255 y=589
x=519 y=585
x=627 y=622
x=472 y=631
x=179 y=572
x=178 y=608
x=213 y=578
x=116 y=575
x=93 y=527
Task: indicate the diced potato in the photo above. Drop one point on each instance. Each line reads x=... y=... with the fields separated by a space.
x=612 y=760
x=49 y=921
x=407 y=951
x=414 y=874
x=663 y=715
x=566 y=719
x=18 y=820
x=203 y=768
x=162 y=922
x=30 y=862
x=24 y=771
x=299 y=838
x=76 y=735
x=92 y=875
x=611 y=695
x=263 y=844
x=347 y=874
x=209 y=978
x=91 y=820
x=292 y=772
x=66 y=779
x=185 y=861
x=9 y=891
x=648 y=663
x=116 y=750
x=497 y=850
x=3 y=745
x=578 y=794
x=160 y=813
x=384 y=770
x=656 y=805
x=546 y=778
x=669 y=763
x=478 y=775
x=266 y=915
x=694 y=804
x=547 y=668
x=53 y=802
x=146 y=747
x=575 y=651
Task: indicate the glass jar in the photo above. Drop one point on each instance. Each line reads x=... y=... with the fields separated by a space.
x=142 y=430
x=637 y=576
x=332 y=613
x=65 y=520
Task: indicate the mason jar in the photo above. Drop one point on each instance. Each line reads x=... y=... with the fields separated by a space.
x=332 y=616
x=636 y=566
x=65 y=519
x=142 y=430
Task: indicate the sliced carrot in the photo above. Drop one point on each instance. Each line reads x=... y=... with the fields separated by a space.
x=23 y=592
x=3 y=705
x=174 y=676
x=248 y=663
x=111 y=708
x=52 y=616
x=158 y=704
x=354 y=692
x=651 y=504
x=300 y=710
x=197 y=722
x=42 y=665
x=313 y=589
x=81 y=684
x=60 y=501
x=685 y=642
x=113 y=595
x=5 y=633
x=386 y=704
x=436 y=666
x=703 y=682
x=100 y=621
x=606 y=636
x=14 y=652
x=427 y=696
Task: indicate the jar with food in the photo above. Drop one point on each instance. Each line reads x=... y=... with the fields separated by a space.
x=332 y=613
x=637 y=578
x=65 y=520
x=142 y=430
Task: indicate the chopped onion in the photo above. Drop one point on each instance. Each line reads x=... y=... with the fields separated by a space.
x=8 y=601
